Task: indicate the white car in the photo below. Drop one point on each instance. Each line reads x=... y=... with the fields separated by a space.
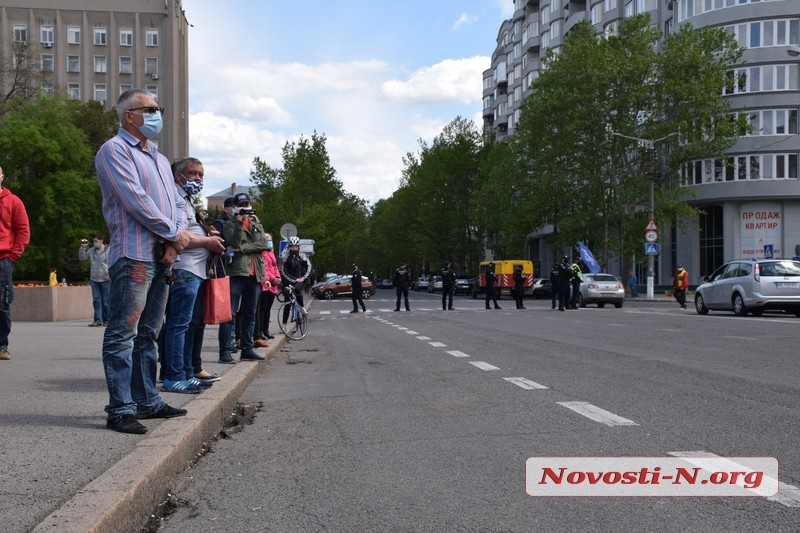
x=601 y=289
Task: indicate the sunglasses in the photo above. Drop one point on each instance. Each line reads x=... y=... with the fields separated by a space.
x=150 y=110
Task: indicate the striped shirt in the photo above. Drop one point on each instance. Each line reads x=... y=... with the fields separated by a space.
x=141 y=204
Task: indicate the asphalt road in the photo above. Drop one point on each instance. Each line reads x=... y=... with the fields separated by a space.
x=423 y=421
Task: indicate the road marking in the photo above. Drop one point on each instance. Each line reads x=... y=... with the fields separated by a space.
x=483 y=366
x=788 y=495
x=669 y=330
x=411 y=332
x=437 y=344
x=456 y=353
x=739 y=338
x=525 y=383
x=424 y=338
x=598 y=415
x=401 y=328
x=324 y=312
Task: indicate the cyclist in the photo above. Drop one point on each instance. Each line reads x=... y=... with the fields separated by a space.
x=294 y=270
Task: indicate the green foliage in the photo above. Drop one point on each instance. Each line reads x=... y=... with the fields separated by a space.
x=47 y=146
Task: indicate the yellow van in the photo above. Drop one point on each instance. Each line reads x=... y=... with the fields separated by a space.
x=504 y=271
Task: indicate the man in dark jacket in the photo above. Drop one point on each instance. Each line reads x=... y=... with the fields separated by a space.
x=519 y=286
x=553 y=286
x=564 y=277
x=491 y=279
x=402 y=281
x=355 y=286
x=448 y=286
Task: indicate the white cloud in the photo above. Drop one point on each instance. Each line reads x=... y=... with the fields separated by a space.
x=450 y=81
x=463 y=20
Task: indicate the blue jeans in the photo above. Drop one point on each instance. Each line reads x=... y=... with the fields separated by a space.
x=7 y=267
x=130 y=355
x=182 y=320
x=101 y=292
x=244 y=291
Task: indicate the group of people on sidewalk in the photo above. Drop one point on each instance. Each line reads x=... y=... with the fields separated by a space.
x=159 y=257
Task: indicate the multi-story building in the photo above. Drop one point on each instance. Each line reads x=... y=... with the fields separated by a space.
x=97 y=49
x=750 y=200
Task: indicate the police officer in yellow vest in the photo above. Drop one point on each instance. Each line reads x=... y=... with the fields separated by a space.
x=576 y=280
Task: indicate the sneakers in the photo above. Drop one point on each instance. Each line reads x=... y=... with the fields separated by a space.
x=4 y=354
x=207 y=376
x=226 y=359
x=96 y=325
x=165 y=412
x=250 y=355
x=181 y=387
x=126 y=424
x=200 y=383
x=354 y=311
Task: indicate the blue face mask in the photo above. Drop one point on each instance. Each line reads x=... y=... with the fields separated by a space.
x=192 y=187
x=269 y=245
x=152 y=125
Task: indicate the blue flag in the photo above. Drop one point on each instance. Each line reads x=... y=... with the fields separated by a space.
x=588 y=259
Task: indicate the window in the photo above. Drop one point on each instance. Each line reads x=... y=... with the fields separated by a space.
x=48 y=63
x=20 y=33
x=100 y=92
x=126 y=37
x=47 y=34
x=555 y=29
x=610 y=4
x=151 y=37
x=100 y=37
x=152 y=89
x=48 y=88
x=151 y=67
x=125 y=65
x=545 y=15
x=629 y=9
x=74 y=91
x=100 y=65
x=597 y=13
x=554 y=5
x=73 y=63
x=125 y=87
x=73 y=35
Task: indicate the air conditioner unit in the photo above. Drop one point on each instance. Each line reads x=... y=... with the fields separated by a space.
x=47 y=45
x=154 y=76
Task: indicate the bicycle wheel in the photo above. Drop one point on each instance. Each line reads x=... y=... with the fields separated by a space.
x=302 y=324
x=296 y=327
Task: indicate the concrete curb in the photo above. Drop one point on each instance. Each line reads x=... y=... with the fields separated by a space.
x=123 y=497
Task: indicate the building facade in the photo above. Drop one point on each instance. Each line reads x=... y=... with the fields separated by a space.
x=750 y=200
x=96 y=50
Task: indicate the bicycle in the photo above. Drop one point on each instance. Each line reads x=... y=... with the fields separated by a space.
x=296 y=326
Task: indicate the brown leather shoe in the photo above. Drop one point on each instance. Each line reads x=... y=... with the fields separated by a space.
x=4 y=355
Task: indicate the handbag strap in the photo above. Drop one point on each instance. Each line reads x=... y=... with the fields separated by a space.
x=213 y=264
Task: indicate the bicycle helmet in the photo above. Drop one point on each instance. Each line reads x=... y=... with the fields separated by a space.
x=294 y=241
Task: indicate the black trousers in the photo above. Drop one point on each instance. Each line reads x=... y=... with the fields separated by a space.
x=358 y=299
x=447 y=297
x=402 y=291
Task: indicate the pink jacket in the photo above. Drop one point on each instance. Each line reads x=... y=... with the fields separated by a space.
x=270 y=271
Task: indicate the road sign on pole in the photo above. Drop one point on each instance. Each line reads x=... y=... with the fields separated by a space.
x=651 y=248
x=651 y=226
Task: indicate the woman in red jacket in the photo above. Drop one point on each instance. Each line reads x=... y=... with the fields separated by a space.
x=269 y=288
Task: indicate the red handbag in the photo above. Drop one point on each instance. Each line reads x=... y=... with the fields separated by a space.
x=218 y=300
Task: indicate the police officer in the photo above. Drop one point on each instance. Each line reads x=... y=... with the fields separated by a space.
x=355 y=286
x=564 y=276
x=448 y=286
x=402 y=281
x=519 y=286
x=577 y=279
x=553 y=286
x=491 y=279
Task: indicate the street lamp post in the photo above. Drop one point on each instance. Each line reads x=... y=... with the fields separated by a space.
x=652 y=171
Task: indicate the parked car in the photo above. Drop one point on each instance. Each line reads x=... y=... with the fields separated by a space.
x=542 y=288
x=342 y=286
x=421 y=284
x=463 y=284
x=751 y=286
x=386 y=283
x=435 y=284
x=601 y=289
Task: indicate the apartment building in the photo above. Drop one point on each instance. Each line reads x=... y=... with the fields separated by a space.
x=97 y=49
x=751 y=199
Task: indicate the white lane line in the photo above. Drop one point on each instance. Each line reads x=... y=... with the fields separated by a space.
x=343 y=311
x=324 y=312
x=788 y=495
x=669 y=330
x=411 y=332
x=437 y=344
x=424 y=338
x=401 y=328
x=483 y=366
x=739 y=338
x=384 y=310
x=525 y=383
x=456 y=353
x=598 y=415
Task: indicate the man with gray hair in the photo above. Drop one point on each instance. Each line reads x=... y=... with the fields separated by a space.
x=145 y=215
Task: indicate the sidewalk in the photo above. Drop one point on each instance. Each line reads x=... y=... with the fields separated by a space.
x=63 y=471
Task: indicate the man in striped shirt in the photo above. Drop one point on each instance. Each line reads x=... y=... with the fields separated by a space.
x=145 y=216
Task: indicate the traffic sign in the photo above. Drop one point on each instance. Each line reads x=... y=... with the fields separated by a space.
x=651 y=248
x=767 y=251
x=288 y=230
x=651 y=236
x=651 y=226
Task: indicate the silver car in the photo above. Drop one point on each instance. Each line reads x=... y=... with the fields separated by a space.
x=601 y=289
x=751 y=286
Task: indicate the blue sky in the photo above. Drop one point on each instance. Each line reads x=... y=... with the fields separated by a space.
x=374 y=77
